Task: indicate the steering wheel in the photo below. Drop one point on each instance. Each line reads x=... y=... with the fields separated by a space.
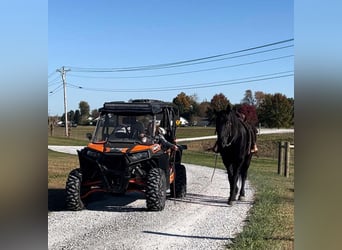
x=122 y=130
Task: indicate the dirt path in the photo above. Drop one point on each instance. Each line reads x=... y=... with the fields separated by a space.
x=202 y=220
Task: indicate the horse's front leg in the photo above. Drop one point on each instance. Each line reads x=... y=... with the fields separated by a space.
x=230 y=172
x=233 y=185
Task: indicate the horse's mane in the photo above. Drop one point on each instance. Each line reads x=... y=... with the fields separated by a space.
x=228 y=125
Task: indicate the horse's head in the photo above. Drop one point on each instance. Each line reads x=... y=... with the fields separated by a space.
x=225 y=126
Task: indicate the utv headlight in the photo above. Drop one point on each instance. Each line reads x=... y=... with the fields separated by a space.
x=139 y=156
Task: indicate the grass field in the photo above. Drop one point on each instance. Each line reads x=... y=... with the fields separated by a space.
x=271 y=219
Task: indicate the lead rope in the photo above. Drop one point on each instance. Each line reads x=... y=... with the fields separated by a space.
x=211 y=180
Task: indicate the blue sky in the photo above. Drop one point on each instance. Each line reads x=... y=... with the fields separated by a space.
x=108 y=35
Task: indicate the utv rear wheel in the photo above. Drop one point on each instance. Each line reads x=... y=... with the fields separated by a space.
x=73 y=190
x=179 y=190
x=156 y=190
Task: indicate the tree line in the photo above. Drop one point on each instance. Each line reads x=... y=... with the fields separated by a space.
x=268 y=110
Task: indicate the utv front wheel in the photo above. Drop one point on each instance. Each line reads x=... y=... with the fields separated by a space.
x=156 y=190
x=179 y=190
x=73 y=190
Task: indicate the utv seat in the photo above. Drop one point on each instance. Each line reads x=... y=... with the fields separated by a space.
x=136 y=129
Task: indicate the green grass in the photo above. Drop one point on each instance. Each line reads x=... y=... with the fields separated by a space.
x=202 y=158
x=64 y=141
x=59 y=166
x=78 y=133
x=271 y=220
x=186 y=132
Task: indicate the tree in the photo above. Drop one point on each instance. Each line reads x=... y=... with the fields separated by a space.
x=203 y=108
x=77 y=116
x=291 y=101
x=84 y=110
x=184 y=104
x=71 y=116
x=259 y=97
x=250 y=113
x=95 y=113
x=218 y=102
x=276 y=111
x=63 y=117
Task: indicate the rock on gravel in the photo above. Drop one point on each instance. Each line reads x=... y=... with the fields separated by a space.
x=201 y=220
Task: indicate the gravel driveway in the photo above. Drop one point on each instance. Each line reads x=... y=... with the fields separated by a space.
x=201 y=220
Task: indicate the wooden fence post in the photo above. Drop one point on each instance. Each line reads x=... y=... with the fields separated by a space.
x=287 y=159
x=280 y=158
x=51 y=129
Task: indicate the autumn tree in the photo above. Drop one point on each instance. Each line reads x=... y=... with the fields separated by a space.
x=259 y=97
x=250 y=113
x=217 y=103
x=187 y=105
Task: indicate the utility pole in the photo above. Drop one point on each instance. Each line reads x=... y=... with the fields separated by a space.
x=63 y=71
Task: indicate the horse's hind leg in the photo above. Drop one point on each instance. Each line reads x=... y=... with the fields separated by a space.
x=242 y=196
x=244 y=170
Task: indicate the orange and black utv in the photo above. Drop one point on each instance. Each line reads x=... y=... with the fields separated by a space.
x=125 y=154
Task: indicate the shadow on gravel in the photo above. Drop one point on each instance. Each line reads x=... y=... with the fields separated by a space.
x=205 y=200
x=188 y=236
x=116 y=203
x=56 y=200
x=96 y=202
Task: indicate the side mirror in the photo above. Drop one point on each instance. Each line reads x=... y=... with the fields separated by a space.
x=89 y=136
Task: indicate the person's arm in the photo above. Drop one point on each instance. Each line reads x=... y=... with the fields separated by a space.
x=166 y=143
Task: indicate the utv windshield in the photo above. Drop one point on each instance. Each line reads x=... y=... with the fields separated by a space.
x=115 y=128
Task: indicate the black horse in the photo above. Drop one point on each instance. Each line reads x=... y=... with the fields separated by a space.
x=234 y=140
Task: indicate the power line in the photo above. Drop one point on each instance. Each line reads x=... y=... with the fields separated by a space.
x=51 y=74
x=165 y=65
x=195 y=86
x=54 y=81
x=52 y=92
x=159 y=75
x=201 y=70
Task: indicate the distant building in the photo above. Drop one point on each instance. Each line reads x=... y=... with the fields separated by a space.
x=183 y=122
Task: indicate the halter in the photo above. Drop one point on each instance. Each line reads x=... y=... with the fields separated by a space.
x=229 y=124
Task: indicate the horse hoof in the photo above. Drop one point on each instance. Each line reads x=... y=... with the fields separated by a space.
x=231 y=203
x=242 y=198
